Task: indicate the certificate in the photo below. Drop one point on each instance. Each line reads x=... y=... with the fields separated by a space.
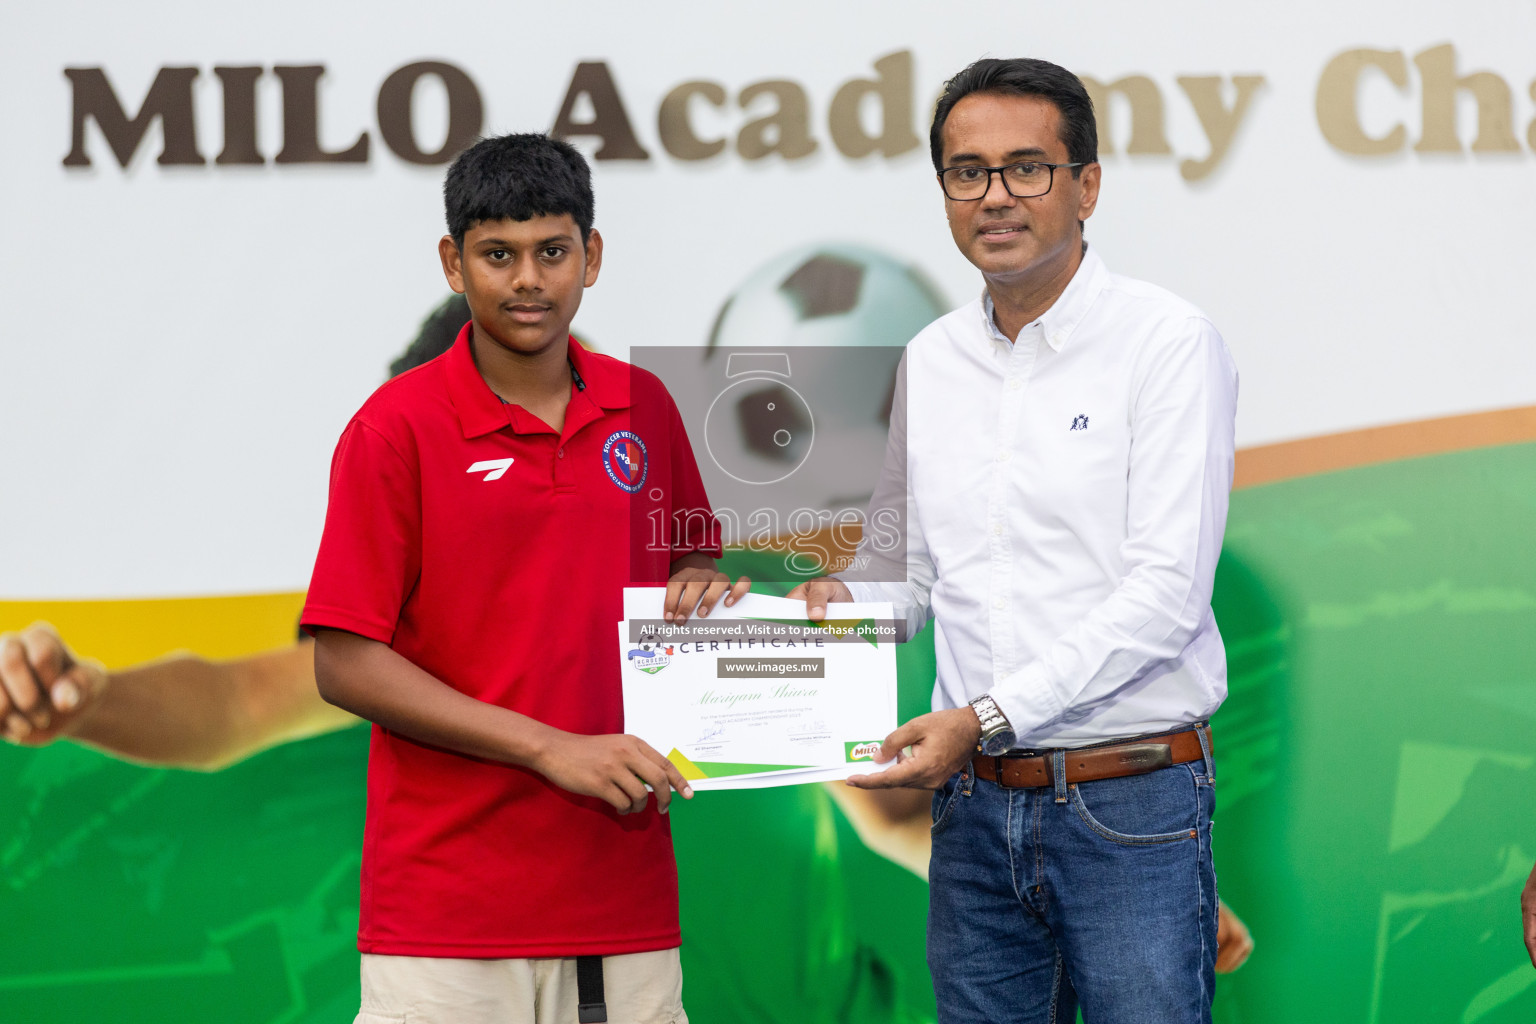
x=757 y=694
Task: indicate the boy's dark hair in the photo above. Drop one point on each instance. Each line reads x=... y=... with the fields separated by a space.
x=517 y=177
x=1024 y=76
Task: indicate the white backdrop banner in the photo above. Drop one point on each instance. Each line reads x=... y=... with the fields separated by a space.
x=220 y=227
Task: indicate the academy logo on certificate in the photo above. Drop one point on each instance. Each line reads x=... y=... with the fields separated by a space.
x=650 y=656
x=624 y=458
x=862 y=751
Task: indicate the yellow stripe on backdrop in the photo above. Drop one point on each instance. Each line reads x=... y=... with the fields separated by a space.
x=1287 y=460
x=126 y=632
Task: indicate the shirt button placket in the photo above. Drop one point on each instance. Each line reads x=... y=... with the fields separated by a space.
x=564 y=479
x=1016 y=370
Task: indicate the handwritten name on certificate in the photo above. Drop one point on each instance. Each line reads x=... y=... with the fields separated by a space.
x=757 y=694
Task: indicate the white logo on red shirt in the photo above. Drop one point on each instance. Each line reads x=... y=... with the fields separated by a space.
x=497 y=467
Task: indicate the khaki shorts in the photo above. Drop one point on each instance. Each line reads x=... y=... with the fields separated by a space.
x=639 y=988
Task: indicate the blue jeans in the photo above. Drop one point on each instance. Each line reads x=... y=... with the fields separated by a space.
x=1097 y=894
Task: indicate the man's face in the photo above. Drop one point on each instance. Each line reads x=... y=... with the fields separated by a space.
x=523 y=279
x=1008 y=238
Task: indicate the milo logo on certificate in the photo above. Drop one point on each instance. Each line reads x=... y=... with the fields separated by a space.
x=862 y=751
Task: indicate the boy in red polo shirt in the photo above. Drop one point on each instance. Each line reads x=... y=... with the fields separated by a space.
x=486 y=510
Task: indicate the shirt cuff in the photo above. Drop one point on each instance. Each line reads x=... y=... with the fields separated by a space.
x=1026 y=699
x=865 y=592
x=908 y=623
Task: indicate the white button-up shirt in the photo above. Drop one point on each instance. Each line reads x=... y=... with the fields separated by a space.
x=1066 y=495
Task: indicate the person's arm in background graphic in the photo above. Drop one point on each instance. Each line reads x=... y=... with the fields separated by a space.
x=179 y=711
x=1528 y=914
x=183 y=711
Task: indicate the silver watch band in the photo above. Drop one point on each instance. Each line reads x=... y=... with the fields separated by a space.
x=997 y=734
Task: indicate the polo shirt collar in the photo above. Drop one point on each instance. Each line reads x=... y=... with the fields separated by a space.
x=1060 y=321
x=481 y=412
x=607 y=380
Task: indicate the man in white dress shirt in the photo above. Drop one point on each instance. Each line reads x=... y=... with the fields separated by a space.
x=1061 y=457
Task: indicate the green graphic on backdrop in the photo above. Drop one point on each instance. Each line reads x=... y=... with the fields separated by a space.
x=1377 y=753
x=146 y=895
x=1377 y=791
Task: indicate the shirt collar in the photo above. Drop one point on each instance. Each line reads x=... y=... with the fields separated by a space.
x=606 y=378
x=1060 y=321
x=481 y=412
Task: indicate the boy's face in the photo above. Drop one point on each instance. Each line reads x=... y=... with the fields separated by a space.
x=523 y=278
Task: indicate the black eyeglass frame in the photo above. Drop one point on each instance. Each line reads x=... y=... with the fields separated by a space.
x=1049 y=184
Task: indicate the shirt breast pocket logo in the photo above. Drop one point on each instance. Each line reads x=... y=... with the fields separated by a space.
x=626 y=460
x=1079 y=422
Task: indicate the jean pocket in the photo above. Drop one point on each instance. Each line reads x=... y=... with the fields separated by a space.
x=1142 y=810
x=944 y=803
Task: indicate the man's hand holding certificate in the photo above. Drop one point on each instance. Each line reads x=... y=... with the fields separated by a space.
x=757 y=694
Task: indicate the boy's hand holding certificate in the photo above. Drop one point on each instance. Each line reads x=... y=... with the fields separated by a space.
x=757 y=694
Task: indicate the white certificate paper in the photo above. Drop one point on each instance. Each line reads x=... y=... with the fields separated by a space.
x=758 y=695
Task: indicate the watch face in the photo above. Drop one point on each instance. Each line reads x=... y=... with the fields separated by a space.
x=992 y=746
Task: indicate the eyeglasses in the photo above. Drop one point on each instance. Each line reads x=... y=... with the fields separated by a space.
x=1022 y=180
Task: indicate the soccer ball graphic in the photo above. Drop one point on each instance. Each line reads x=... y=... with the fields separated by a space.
x=801 y=365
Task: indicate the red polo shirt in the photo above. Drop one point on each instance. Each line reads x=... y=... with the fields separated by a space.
x=492 y=552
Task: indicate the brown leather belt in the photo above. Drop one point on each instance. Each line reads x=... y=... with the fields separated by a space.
x=1086 y=764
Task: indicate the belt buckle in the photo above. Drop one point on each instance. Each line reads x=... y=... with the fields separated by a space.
x=1145 y=757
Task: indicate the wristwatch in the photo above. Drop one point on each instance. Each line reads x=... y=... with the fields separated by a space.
x=996 y=734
